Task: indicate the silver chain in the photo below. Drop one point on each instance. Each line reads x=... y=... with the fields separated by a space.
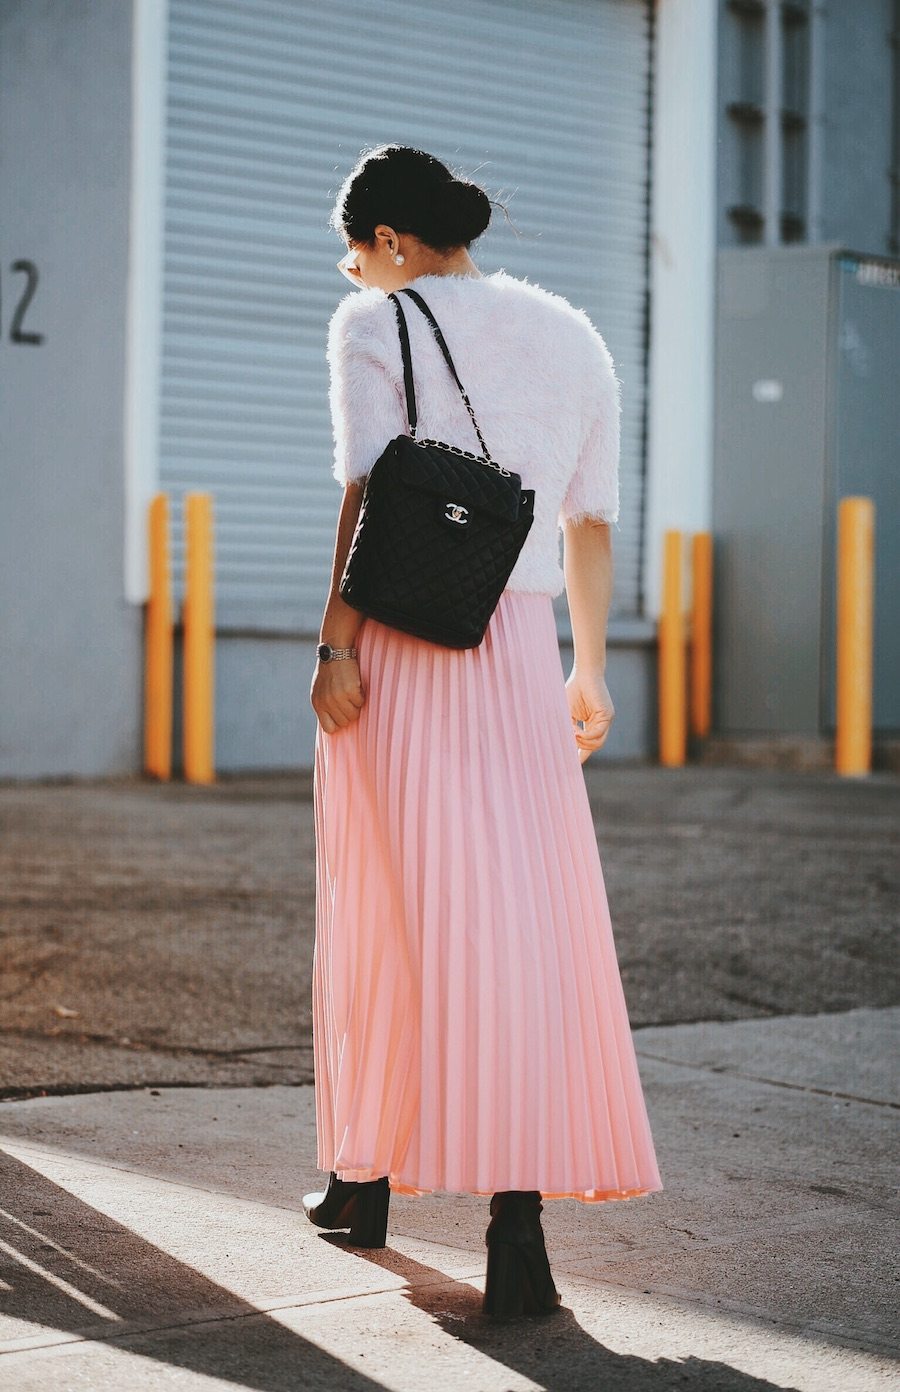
x=467 y=454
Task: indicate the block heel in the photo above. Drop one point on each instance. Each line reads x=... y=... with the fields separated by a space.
x=518 y=1280
x=368 y=1222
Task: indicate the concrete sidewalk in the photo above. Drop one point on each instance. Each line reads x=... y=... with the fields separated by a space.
x=154 y=1238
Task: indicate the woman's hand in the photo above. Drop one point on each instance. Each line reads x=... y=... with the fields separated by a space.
x=589 y=581
x=337 y=694
x=590 y=701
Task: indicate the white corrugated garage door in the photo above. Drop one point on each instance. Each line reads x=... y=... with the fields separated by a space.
x=268 y=105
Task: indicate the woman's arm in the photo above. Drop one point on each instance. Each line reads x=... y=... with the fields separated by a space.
x=588 y=568
x=368 y=409
x=336 y=694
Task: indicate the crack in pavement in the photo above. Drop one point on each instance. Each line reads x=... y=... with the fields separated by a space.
x=772 y=1082
x=153 y=1046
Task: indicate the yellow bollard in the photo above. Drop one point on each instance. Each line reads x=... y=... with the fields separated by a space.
x=199 y=641
x=855 y=614
x=672 y=665
x=701 y=633
x=158 y=646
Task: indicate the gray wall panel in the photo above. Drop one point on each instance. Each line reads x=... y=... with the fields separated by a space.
x=823 y=327
x=866 y=462
x=768 y=489
x=70 y=676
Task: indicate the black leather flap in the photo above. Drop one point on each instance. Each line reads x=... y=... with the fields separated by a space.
x=457 y=478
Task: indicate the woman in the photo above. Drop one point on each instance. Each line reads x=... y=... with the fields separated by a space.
x=470 y=1028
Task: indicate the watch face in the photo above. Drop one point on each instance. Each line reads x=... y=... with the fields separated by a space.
x=324 y=651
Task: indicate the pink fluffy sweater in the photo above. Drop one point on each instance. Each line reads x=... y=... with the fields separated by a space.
x=538 y=374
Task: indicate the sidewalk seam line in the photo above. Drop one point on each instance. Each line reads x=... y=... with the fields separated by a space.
x=771 y=1082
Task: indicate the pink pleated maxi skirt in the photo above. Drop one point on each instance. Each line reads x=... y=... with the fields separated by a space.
x=470 y=1030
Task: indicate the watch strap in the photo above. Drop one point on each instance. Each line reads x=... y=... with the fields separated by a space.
x=340 y=652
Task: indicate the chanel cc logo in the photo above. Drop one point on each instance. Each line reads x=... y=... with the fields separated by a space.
x=454 y=513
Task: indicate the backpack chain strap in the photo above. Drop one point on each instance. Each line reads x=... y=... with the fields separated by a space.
x=404 y=336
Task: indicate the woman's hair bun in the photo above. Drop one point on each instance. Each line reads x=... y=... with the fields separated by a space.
x=411 y=191
x=466 y=210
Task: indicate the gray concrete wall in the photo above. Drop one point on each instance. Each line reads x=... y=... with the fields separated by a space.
x=70 y=697
x=265 y=723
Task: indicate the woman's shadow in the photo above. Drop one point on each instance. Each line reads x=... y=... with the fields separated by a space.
x=553 y=1350
x=66 y=1266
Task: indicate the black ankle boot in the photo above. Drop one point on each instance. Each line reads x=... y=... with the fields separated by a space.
x=519 y=1281
x=361 y=1206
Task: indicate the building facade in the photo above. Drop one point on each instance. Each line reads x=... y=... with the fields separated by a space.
x=167 y=277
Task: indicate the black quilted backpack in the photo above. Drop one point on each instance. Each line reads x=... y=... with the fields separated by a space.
x=439 y=529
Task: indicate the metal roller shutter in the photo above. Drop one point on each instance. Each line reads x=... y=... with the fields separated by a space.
x=268 y=104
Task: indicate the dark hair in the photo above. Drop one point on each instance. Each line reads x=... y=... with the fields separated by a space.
x=411 y=191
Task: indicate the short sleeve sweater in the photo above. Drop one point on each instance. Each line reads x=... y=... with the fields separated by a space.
x=538 y=374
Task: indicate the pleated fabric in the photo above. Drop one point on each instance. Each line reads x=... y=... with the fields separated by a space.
x=470 y=1030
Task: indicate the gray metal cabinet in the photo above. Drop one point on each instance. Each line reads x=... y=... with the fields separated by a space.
x=807 y=411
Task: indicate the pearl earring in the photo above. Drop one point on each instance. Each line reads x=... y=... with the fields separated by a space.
x=399 y=259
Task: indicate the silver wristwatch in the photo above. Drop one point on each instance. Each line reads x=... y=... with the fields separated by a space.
x=326 y=653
